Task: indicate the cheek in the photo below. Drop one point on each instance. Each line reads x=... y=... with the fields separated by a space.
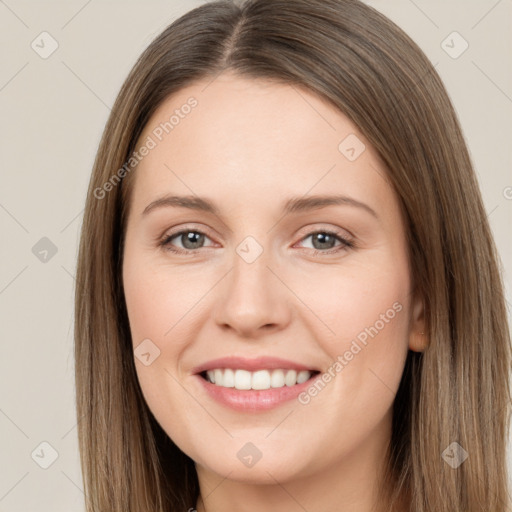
x=159 y=301
x=158 y=310
x=365 y=315
x=345 y=300
x=165 y=305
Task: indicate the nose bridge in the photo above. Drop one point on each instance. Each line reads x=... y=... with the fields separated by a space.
x=250 y=281
x=253 y=296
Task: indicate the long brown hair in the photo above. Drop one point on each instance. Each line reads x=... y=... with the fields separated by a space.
x=455 y=391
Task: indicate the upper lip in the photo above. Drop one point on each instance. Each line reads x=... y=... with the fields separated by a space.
x=258 y=363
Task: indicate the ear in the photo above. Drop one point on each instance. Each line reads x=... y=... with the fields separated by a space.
x=418 y=339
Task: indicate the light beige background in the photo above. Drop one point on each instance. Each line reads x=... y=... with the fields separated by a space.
x=53 y=113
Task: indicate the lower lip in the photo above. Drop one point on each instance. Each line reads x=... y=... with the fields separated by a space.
x=253 y=399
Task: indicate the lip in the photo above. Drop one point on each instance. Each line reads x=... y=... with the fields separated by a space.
x=252 y=365
x=252 y=400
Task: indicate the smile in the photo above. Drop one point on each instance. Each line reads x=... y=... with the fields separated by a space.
x=253 y=384
x=257 y=380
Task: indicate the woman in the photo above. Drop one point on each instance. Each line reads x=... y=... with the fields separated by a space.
x=337 y=339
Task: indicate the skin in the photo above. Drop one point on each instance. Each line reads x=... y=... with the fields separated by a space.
x=248 y=146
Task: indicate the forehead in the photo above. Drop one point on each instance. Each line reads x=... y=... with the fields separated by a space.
x=257 y=138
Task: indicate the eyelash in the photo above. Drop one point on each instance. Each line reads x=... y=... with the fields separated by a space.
x=345 y=243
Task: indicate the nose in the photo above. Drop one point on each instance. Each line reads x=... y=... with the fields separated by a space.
x=253 y=301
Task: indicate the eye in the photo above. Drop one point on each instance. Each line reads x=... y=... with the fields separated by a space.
x=190 y=240
x=324 y=241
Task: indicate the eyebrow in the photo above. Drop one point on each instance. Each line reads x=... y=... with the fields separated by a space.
x=292 y=205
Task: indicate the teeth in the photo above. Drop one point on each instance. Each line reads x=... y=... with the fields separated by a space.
x=228 y=379
x=303 y=376
x=261 y=379
x=290 y=378
x=277 y=379
x=242 y=380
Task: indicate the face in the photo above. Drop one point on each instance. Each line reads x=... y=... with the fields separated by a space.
x=300 y=310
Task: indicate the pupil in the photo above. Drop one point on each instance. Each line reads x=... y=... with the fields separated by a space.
x=191 y=238
x=324 y=239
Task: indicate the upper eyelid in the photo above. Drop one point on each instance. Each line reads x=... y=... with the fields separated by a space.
x=167 y=235
x=309 y=232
